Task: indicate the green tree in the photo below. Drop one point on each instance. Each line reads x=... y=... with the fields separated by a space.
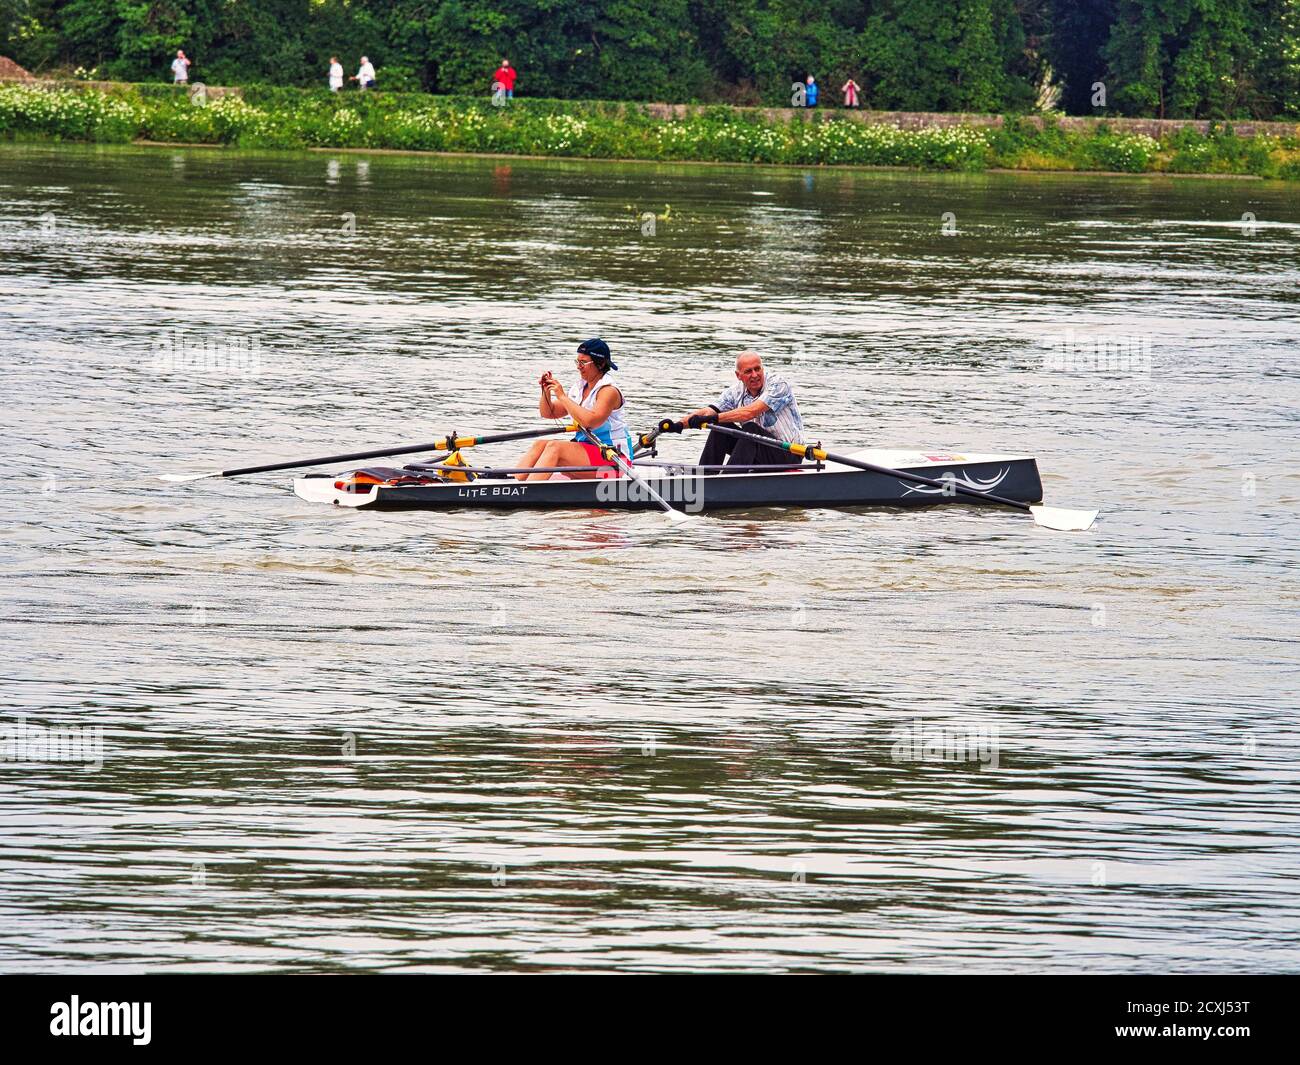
x=26 y=35
x=1280 y=59
x=946 y=55
x=1186 y=58
x=1208 y=58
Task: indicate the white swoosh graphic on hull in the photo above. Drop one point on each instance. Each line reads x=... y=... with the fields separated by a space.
x=965 y=481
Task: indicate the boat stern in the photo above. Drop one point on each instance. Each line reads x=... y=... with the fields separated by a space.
x=339 y=492
x=1013 y=476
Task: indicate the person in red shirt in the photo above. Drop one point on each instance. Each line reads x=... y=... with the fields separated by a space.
x=505 y=77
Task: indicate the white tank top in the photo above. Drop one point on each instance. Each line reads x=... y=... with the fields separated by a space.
x=613 y=432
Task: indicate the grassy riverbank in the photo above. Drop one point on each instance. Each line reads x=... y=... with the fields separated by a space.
x=296 y=119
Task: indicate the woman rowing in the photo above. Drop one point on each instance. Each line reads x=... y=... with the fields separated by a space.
x=596 y=405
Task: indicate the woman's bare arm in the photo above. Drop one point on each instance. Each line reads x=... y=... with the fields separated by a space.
x=608 y=400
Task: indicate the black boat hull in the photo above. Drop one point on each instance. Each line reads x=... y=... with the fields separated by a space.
x=1015 y=478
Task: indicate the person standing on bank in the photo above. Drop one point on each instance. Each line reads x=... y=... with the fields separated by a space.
x=365 y=76
x=811 y=92
x=336 y=74
x=759 y=403
x=850 y=89
x=504 y=76
x=180 y=69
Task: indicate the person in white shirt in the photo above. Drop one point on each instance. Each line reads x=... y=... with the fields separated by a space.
x=336 y=74
x=758 y=403
x=180 y=69
x=366 y=75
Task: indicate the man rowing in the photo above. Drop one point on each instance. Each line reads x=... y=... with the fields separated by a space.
x=758 y=403
x=596 y=405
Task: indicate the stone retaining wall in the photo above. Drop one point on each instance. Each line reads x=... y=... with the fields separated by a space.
x=1153 y=127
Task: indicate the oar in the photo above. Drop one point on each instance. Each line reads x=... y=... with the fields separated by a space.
x=609 y=454
x=1049 y=517
x=447 y=443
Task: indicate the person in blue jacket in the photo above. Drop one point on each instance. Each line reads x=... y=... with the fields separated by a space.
x=810 y=93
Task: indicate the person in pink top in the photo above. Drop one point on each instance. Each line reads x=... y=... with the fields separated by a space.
x=504 y=75
x=850 y=90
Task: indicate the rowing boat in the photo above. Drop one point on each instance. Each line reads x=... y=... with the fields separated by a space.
x=868 y=478
x=688 y=488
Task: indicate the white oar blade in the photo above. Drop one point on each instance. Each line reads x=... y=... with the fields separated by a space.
x=180 y=478
x=675 y=517
x=1064 y=520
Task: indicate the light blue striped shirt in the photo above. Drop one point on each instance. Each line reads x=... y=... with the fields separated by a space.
x=781 y=419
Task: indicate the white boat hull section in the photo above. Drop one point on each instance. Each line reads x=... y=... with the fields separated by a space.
x=911 y=460
x=322 y=490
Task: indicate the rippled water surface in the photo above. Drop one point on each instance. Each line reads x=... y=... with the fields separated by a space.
x=576 y=741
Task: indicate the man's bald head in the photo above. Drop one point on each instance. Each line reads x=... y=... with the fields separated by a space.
x=749 y=372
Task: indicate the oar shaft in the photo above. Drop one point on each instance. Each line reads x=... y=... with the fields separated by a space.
x=447 y=443
x=499 y=471
x=612 y=455
x=808 y=450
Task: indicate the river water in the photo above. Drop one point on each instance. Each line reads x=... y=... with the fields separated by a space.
x=579 y=741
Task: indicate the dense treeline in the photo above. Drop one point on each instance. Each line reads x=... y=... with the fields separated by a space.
x=1168 y=58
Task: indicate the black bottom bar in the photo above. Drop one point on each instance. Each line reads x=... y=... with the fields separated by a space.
x=1244 y=1015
